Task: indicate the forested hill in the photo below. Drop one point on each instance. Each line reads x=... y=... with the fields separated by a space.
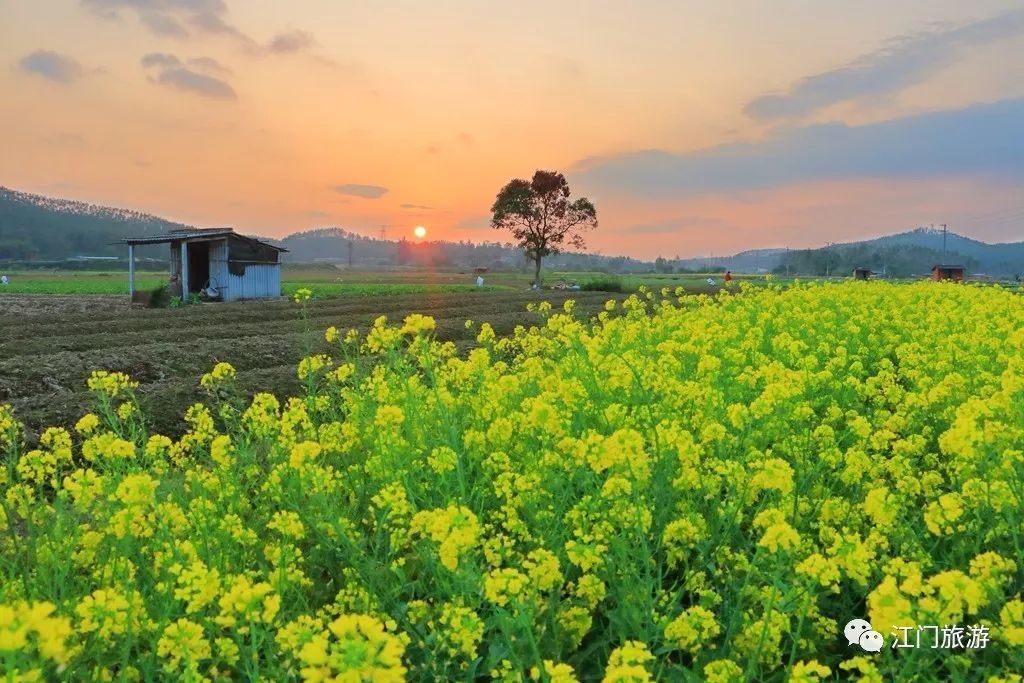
x=40 y=229
x=908 y=253
x=34 y=227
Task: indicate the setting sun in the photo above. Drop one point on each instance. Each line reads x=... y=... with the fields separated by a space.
x=420 y=231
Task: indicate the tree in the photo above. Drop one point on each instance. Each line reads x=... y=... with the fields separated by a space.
x=541 y=217
x=662 y=265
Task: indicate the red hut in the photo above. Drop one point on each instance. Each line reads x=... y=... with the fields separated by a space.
x=947 y=272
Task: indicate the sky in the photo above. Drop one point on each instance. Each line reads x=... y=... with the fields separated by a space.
x=696 y=128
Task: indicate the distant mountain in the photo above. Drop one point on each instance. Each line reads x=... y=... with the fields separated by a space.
x=34 y=227
x=41 y=229
x=38 y=228
x=909 y=253
x=1001 y=257
x=901 y=254
x=750 y=261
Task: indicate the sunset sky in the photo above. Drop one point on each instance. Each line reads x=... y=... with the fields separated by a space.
x=695 y=127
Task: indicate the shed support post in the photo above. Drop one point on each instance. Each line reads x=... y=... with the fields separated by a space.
x=184 y=270
x=131 y=270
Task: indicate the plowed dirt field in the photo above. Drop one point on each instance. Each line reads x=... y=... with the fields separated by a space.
x=50 y=343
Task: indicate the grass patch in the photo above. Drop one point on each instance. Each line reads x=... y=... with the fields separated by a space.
x=604 y=283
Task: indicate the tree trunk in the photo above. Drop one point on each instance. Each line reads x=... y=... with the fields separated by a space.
x=536 y=269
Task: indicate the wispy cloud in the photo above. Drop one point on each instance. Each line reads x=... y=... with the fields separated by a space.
x=291 y=41
x=903 y=62
x=171 y=71
x=172 y=18
x=189 y=18
x=200 y=84
x=419 y=207
x=364 y=191
x=160 y=59
x=162 y=24
x=163 y=59
x=209 y=64
x=52 y=65
x=981 y=139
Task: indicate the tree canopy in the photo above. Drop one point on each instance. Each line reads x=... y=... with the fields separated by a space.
x=541 y=216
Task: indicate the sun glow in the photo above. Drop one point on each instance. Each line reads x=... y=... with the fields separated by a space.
x=420 y=231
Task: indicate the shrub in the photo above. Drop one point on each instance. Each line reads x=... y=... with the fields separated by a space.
x=605 y=283
x=160 y=297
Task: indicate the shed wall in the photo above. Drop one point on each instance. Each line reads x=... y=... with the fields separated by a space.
x=175 y=258
x=219 y=266
x=260 y=280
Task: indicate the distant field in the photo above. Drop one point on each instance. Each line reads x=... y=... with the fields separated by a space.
x=76 y=282
x=327 y=281
x=322 y=283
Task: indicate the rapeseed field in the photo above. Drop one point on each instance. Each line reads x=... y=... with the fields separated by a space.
x=682 y=488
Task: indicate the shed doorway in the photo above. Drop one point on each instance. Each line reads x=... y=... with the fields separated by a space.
x=198 y=265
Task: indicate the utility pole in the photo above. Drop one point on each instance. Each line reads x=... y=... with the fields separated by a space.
x=350 y=253
x=943 y=242
x=828 y=256
x=383 y=232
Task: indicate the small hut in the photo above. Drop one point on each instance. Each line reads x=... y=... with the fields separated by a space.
x=862 y=273
x=217 y=262
x=948 y=272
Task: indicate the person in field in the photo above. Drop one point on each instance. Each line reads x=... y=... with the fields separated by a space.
x=728 y=276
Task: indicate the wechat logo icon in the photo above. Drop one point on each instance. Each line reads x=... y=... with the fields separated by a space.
x=859 y=632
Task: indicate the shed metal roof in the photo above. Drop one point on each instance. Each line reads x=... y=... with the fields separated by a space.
x=178 y=235
x=194 y=234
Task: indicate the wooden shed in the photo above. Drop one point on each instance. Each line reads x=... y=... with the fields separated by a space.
x=862 y=273
x=948 y=272
x=216 y=260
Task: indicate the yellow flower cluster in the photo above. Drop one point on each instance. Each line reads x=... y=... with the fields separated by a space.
x=310 y=366
x=418 y=324
x=681 y=488
x=355 y=647
x=222 y=372
x=33 y=641
x=110 y=384
x=454 y=528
